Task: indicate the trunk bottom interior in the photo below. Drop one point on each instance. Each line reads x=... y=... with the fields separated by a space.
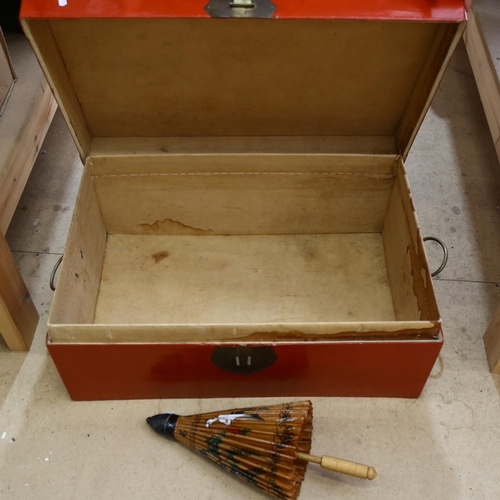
x=167 y=279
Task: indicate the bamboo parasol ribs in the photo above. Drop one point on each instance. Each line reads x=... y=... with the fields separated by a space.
x=267 y=446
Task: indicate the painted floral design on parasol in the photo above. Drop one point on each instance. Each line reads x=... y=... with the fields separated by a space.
x=267 y=446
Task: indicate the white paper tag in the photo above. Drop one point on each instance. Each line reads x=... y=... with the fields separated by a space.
x=63 y=3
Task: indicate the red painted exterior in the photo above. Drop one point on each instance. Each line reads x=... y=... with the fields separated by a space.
x=425 y=10
x=151 y=371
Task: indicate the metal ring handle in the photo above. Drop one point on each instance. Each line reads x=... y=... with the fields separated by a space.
x=445 y=254
x=53 y=274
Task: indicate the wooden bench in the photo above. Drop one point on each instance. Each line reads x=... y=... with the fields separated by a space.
x=23 y=125
x=482 y=39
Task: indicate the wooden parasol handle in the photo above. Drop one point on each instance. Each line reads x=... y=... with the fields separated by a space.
x=339 y=465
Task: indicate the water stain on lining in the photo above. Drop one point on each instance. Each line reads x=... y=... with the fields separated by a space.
x=159 y=256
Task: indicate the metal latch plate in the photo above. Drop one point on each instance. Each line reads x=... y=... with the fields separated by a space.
x=241 y=8
x=243 y=359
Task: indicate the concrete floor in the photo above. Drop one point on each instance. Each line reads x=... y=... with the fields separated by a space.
x=445 y=445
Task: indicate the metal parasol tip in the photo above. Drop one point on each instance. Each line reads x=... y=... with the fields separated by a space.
x=164 y=423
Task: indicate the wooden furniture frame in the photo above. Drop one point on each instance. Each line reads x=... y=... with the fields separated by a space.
x=7 y=74
x=23 y=126
x=483 y=46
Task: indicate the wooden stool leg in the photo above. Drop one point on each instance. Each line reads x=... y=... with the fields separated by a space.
x=18 y=315
x=492 y=342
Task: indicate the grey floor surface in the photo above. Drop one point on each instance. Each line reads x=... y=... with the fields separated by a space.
x=444 y=445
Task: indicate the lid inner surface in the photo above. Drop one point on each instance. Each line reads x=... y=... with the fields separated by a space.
x=206 y=77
